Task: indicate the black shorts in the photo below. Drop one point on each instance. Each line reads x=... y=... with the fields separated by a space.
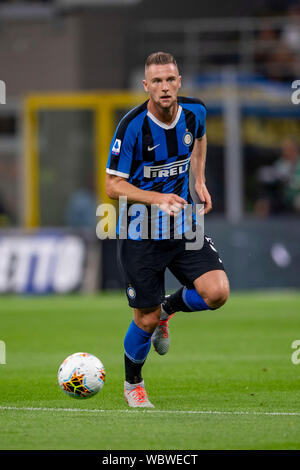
x=144 y=264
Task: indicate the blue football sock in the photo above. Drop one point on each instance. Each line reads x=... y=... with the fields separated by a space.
x=193 y=300
x=184 y=300
x=137 y=343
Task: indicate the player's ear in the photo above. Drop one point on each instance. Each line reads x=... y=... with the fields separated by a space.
x=179 y=81
x=145 y=85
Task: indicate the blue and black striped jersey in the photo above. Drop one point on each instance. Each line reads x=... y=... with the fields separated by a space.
x=155 y=156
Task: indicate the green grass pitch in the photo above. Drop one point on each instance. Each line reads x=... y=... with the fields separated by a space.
x=228 y=381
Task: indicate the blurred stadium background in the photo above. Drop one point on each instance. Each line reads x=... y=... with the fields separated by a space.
x=72 y=68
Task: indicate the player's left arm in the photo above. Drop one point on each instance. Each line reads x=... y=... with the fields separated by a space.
x=198 y=160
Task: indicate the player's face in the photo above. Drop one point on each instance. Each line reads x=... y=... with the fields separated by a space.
x=162 y=83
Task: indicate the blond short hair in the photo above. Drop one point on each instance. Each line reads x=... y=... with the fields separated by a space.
x=160 y=58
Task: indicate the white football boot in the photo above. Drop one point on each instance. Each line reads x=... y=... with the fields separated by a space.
x=136 y=395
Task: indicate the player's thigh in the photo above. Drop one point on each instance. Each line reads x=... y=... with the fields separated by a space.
x=143 y=267
x=189 y=265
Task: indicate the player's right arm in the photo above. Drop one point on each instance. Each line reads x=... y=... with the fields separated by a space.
x=116 y=186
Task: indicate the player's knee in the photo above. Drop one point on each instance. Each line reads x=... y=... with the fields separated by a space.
x=147 y=319
x=217 y=296
x=149 y=323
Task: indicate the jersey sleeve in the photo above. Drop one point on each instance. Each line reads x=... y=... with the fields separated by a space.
x=121 y=151
x=201 y=120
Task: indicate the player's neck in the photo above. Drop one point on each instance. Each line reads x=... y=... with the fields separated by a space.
x=165 y=115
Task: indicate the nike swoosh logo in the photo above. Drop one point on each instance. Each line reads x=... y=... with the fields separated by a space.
x=152 y=148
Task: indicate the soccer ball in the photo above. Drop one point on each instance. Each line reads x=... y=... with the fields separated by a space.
x=81 y=375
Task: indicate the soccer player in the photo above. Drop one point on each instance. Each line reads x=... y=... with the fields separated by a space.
x=150 y=155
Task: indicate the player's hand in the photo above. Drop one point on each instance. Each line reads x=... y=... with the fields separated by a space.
x=170 y=203
x=204 y=196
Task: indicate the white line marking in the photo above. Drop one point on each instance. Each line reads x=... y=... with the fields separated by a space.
x=200 y=412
